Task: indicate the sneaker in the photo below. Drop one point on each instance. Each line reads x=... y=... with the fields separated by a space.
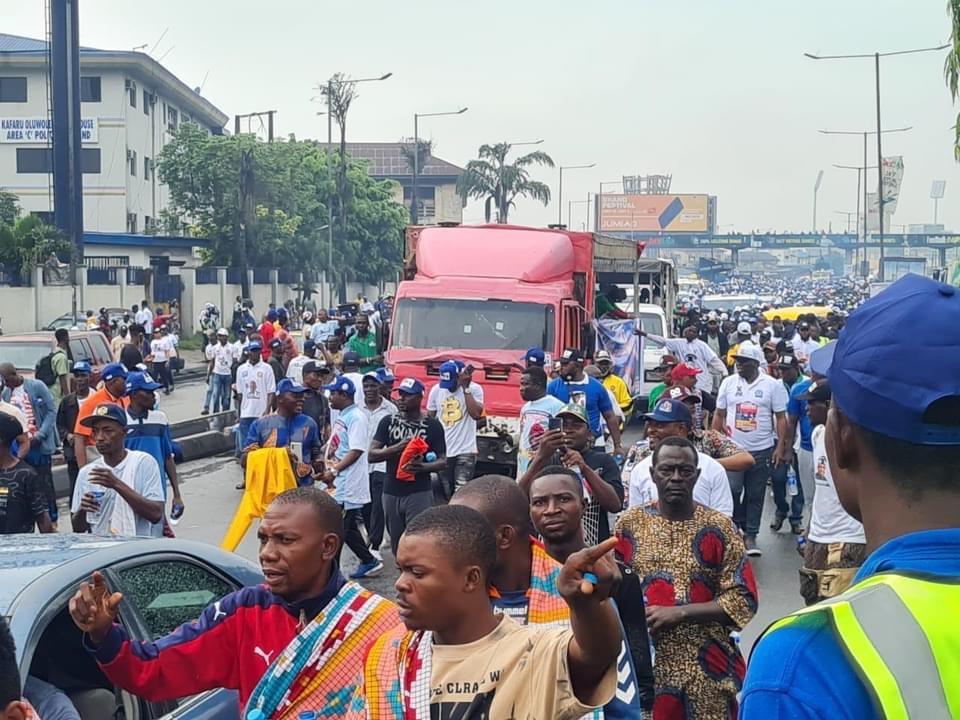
x=377 y=555
x=777 y=522
x=750 y=543
x=369 y=569
x=796 y=528
x=204 y=412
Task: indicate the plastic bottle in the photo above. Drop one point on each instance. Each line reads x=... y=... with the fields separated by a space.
x=430 y=456
x=801 y=543
x=792 y=488
x=256 y=714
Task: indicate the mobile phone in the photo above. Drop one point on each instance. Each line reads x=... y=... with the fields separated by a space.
x=555 y=423
x=297 y=449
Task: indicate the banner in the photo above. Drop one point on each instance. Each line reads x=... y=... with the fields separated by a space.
x=625 y=348
x=655 y=213
x=892 y=180
x=39 y=130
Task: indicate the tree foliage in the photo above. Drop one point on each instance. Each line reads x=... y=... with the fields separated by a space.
x=498 y=183
x=267 y=204
x=951 y=67
x=26 y=241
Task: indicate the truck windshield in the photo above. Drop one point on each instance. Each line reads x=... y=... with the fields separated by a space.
x=439 y=324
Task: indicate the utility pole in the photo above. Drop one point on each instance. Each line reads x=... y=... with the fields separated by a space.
x=268 y=113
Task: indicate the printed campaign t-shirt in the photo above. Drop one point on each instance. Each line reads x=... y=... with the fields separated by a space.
x=255 y=383
x=146 y=481
x=21 y=499
x=395 y=429
x=352 y=484
x=534 y=420
x=750 y=409
x=222 y=356
x=161 y=349
x=451 y=410
x=589 y=393
x=492 y=676
x=829 y=522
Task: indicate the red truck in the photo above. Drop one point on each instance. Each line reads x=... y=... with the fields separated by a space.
x=485 y=294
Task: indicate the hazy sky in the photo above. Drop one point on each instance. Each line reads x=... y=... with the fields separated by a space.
x=715 y=92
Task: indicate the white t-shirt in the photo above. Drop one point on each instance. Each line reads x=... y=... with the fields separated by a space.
x=222 y=356
x=534 y=418
x=829 y=522
x=295 y=368
x=696 y=354
x=805 y=347
x=145 y=481
x=145 y=317
x=385 y=409
x=352 y=485
x=459 y=429
x=712 y=488
x=161 y=349
x=254 y=384
x=750 y=409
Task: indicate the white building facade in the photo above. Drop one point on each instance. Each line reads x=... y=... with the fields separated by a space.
x=130 y=108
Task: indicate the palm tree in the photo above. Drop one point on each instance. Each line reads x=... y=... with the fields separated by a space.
x=499 y=184
x=951 y=67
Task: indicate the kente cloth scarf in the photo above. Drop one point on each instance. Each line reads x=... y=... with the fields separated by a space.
x=397 y=676
x=322 y=667
x=545 y=605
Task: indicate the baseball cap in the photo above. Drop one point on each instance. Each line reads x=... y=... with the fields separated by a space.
x=684 y=370
x=575 y=410
x=788 y=361
x=385 y=376
x=667 y=361
x=223 y=332
x=317 y=366
x=820 y=390
x=141 y=381
x=342 y=384
x=113 y=370
x=449 y=373
x=748 y=351
x=410 y=386
x=678 y=392
x=535 y=356
x=571 y=355
x=743 y=328
x=803 y=326
x=309 y=344
x=82 y=367
x=351 y=357
x=887 y=380
x=271 y=315
x=275 y=343
x=255 y=345
x=602 y=355
x=286 y=385
x=670 y=410
x=10 y=428
x=106 y=411
x=372 y=375
x=821 y=358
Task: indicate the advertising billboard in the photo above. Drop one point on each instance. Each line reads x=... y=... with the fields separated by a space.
x=655 y=213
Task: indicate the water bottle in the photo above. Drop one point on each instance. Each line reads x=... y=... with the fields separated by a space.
x=801 y=544
x=792 y=488
x=256 y=714
x=430 y=456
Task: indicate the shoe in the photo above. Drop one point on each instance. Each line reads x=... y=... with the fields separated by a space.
x=750 y=542
x=777 y=522
x=241 y=486
x=796 y=528
x=368 y=570
x=204 y=412
x=377 y=555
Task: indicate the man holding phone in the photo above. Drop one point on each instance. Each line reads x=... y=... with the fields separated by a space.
x=536 y=416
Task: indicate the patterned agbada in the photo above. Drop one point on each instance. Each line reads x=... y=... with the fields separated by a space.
x=698 y=669
x=322 y=667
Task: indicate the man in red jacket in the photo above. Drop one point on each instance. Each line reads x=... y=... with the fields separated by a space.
x=298 y=612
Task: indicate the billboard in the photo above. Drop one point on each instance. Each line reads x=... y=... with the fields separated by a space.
x=655 y=213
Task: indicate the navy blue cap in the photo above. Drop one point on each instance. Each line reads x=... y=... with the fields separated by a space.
x=410 y=386
x=351 y=358
x=342 y=384
x=668 y=410
x=271 y=315
x=82 y=367
x=535 y=356
x=255 y=345
x=385 y=376
x=275 y=343
x=141 y=381
x=286 y=385
x=309 y=344
x=113 y=370
x=450 y=374
x=892 y=361
x=106 y=411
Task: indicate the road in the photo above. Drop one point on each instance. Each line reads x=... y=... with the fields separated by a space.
x=208 y=491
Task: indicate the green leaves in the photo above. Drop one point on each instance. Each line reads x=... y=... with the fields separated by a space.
x=498 y=183
x=951 y=66
x=27 y=241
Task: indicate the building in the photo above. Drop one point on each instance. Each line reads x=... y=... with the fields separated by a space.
x=436 y=184
x=130 y=107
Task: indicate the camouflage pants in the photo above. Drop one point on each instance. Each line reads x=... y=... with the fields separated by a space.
x=828 y=569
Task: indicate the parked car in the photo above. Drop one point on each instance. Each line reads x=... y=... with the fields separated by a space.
x=165 y=583
x=69 y=320
x=26 y=349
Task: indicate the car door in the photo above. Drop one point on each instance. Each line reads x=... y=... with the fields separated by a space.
x=163 y=592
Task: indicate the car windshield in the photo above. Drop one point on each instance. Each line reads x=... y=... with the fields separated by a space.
x=439 y=324
x=24 y=355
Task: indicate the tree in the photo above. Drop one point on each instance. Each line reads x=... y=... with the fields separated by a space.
x=26 y=241
x=499 y=184
x=951 y=67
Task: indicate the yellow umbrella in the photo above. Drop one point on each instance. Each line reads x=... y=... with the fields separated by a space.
x=792 y=313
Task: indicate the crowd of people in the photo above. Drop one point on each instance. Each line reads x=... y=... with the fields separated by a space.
x=598 y=580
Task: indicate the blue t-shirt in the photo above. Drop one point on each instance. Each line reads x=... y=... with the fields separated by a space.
x=798 y=409
x=151 y=434
x=278 y=431
x=589 y=394
x=801 y=672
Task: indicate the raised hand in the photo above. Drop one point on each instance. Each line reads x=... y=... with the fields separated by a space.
x=597 y=562
x=94 y=608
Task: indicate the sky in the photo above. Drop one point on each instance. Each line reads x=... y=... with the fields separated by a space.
x=716 y=93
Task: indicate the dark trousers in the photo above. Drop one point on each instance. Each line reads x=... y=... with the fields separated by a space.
x=45 y=481
x=161 y=373
x=353 y=536
x=794 y=510
x=73 y=470
x=373 y=511
x=748 y=511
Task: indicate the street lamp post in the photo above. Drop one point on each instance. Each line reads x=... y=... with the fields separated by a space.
x=599 y=210
x=816 y=189
x=859 y=169
x=414 y=213
x=879 y=132
x=560 y=188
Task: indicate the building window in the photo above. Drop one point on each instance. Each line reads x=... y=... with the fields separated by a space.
x=45 y=216
x=90 y=88
x=131 y=222
x=13 y=89
x=146 y=103
x=40 y=160
x=172 y=119
x=132 y=160
x=147 y=168
x=132 y=92
x=148 y=224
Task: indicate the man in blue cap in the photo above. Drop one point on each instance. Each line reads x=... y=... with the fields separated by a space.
x=288 y=428
x=387 y=379
x=256 y=387
x=886 y=647
x=457 y=402
x=535 y=357
x=276 y=359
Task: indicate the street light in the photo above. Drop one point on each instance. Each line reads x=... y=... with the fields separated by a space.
x=876 y=65
x=560 y=189
x=414 y=214
x=816 y=189
x=570 y=204
x=865 y=133
x=596 y=219
x=330 y=83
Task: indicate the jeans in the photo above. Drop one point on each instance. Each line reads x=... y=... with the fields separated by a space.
x=218 y=394
x=749 y=512
x=44 y=468
x=243 y=429
x=353 y=536
x=399 y=510
x=793 y=511
x=161 y=373
x=373 y=511
x=459 y=472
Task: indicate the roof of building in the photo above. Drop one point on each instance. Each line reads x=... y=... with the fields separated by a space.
x=138 y=240
x=387 y=160
x=14 y=48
